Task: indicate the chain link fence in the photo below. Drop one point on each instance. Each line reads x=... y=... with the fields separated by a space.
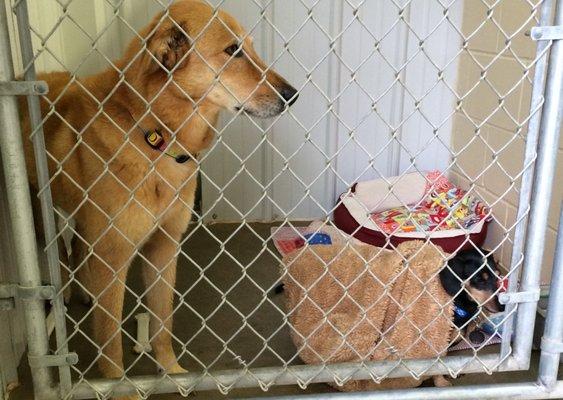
x=420 y=119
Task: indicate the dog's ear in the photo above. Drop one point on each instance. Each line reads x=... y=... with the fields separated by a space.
x=452 y=275
x=167 y=45
x=492 y=261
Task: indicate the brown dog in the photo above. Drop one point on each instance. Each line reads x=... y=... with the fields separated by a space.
x=125 y=195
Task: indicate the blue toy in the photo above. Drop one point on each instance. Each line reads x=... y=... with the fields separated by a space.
x=318 y=238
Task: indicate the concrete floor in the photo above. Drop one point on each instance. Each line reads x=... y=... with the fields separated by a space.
x=244 y=290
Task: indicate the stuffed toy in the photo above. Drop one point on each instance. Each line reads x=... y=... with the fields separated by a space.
x=363 y=303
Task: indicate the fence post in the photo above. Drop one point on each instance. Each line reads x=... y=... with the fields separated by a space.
x=43 y=182
x=539 y=206
x=552 y=340
x=23 y=230
x=532 y=137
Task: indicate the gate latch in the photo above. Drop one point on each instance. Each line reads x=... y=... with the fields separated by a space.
x=551 y=346
x=9 y=292
x=52 y=360
x=24 y=88
x=547 y=32
x=519 y=297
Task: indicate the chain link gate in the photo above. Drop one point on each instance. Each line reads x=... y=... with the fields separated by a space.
x=532 y=181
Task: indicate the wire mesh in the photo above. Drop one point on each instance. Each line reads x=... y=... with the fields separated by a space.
x=224 y=291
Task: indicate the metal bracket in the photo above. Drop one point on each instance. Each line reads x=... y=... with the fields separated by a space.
x=24 y=88
x=547 y=32
x=519 y=297
x=58 y=360
x=551 y=346
x=9 y=292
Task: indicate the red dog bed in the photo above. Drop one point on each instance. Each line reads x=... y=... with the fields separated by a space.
x=386 y=212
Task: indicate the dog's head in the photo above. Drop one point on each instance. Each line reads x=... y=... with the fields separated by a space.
x=211 y=57
x=478 y=275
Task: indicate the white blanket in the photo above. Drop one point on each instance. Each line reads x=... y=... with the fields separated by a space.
x=379 y=195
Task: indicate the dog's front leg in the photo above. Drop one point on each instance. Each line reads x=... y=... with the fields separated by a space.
x=104 y=279
x=159 y=274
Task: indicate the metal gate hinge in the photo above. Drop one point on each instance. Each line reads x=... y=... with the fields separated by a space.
x=23 y=88
x=57 y=360
x=551 y=346
x=519 y=297
x=9 y=292
x=547 y=32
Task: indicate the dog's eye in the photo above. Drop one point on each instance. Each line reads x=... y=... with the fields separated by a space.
x=235 y=50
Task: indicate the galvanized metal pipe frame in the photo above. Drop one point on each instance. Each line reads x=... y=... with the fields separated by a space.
x=552 y=341
x=19 y=202
x=511 y=391
x=542 y=188
x=47 y=209
x=531 y=272
x=530 y=154
x=306 y=373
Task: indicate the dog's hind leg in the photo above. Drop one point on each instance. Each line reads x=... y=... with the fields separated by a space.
x=79 y=261
x=66 y=267
x=159 y=274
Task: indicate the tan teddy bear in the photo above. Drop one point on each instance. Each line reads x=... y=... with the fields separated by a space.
x=341 y=311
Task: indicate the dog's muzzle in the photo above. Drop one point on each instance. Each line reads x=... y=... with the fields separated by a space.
x=268 y=106
x=289 y=95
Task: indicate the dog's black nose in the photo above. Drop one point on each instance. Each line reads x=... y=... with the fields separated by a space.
x=289 y=94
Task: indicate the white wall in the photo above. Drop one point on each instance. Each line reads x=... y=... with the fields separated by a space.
x=311 y=154
x=356 y=94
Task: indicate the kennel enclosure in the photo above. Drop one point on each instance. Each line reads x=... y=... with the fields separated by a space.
x=355 y=125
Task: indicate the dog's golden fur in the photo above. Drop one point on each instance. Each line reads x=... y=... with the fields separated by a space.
x=123 y=194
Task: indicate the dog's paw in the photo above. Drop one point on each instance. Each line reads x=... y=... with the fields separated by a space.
x=85 y=298
x=441 y=381
x=177 y=369
x=174 y=369
x=67 y=295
